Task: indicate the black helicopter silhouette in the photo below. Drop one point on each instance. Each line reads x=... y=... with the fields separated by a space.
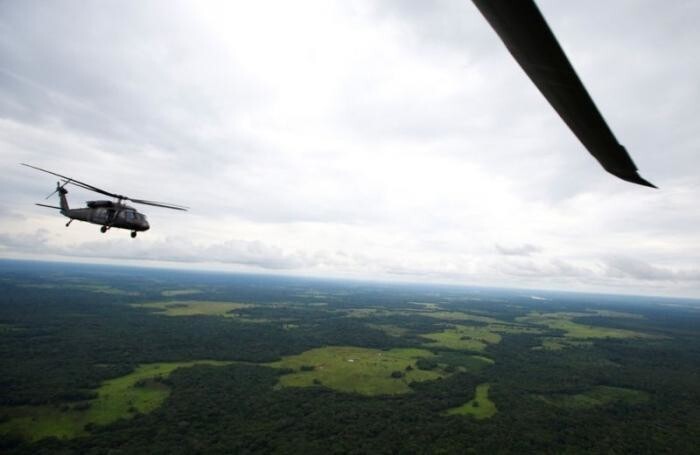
x=108 y=214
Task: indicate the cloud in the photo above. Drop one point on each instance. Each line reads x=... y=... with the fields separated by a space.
x=544 y=269
x=30 y=242
x=372 y=139
x=518 y=250
x=239 y=252
x=625 y=267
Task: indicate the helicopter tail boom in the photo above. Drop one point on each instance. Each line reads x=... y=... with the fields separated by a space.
x=62 y=195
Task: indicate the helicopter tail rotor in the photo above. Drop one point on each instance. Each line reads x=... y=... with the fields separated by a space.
x=59 y=189
x=54 y=191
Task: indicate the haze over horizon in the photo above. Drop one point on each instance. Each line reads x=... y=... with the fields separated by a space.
x=392 y=141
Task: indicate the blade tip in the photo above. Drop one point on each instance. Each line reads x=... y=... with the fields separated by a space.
x=634 y=177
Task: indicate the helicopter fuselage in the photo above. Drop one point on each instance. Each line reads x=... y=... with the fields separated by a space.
x=109 y=214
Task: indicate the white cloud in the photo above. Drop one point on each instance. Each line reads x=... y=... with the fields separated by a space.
x=380 y=140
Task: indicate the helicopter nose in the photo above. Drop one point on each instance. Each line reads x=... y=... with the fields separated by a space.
x=146 y=226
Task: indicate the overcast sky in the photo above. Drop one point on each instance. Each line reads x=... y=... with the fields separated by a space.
x=391 y=140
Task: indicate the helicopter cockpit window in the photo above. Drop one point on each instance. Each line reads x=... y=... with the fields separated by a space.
x=130 y=216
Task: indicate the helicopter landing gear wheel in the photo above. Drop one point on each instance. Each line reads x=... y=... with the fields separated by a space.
x=133 y=235
x=103 y=229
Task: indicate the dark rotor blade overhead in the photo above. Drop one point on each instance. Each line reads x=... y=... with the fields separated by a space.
x=524 y=31
x=86 y=186
x=77 y=182
x=159 y=204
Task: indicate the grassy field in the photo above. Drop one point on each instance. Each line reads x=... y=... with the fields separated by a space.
x=101 y=288
x=177 y=292
x=426 y=305
x=463 y=361
x=117 y=398
x=597 y=396
x=463 y=337
x=557 y=344
x=512 y=328
x=617 y=314
x=427 y=310
x=457 y=316
x=574 y=333
x=367 y=312
x=195 y=307
x=359 y=370
x=480 y=407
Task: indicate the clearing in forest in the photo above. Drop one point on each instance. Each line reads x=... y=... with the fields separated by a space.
x=195 y=307
x=463 y=337
x=359 y=370
x=138 y=392
x=480 y=407
x=457 y=316
x=574 y=332
x=177 y=292
x=99 y=288
x=563 y=321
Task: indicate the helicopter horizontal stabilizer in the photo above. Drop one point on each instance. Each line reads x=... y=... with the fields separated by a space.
x=49 y=206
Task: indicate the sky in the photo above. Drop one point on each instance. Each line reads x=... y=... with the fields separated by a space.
x=386 y=140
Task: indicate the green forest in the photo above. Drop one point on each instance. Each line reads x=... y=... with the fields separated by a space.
x=99 y=359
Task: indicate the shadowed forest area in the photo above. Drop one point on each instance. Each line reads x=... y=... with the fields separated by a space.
x=97 y=359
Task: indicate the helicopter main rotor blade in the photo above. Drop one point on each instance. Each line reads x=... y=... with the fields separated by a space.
x=77 y=182
x=159 y=204
x=86 y=186
x=528 y=38
x=92 y=188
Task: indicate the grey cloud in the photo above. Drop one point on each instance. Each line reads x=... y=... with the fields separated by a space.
x=137 y=82
x=626 y=267
x=552 y=268
x=30 y=242
x=233 y=251
x=7 y=213
x=257 y=254
x=518 y=250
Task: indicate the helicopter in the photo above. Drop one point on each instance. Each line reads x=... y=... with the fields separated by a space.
x=108 y=214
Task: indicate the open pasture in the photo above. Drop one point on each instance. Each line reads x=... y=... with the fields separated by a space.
x=481 y=407
x=575 y=334
x=357 y=370
x=194 y=307
x=178 y=292
x=462 y=337
x=122 y=397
